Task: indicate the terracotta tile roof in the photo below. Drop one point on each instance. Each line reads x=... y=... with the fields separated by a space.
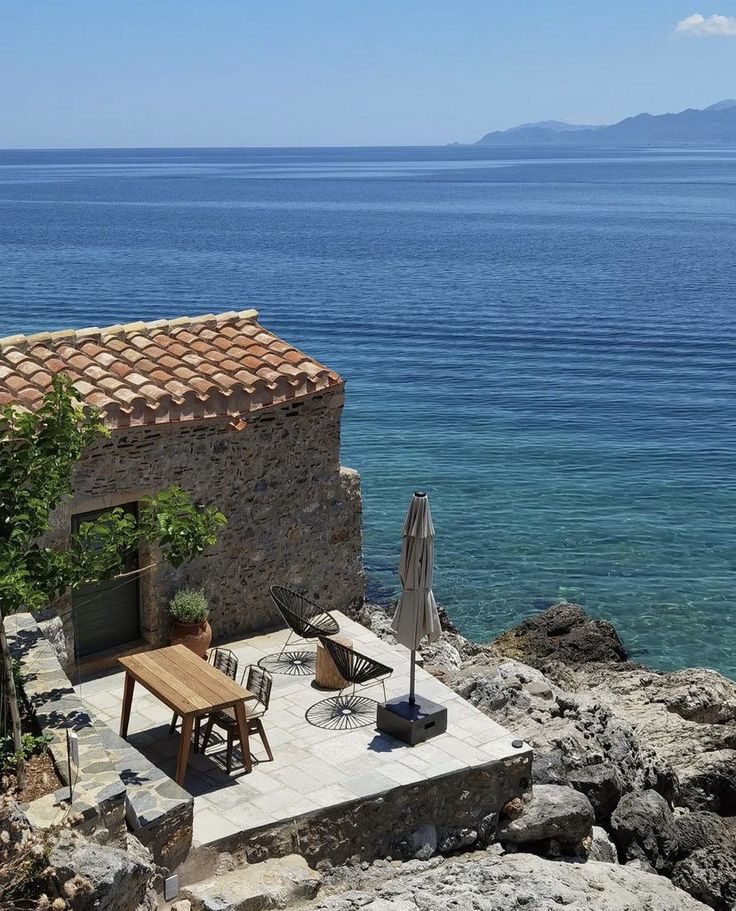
x=185 y=369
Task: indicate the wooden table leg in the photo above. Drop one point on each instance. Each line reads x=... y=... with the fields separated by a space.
x=187 y=722
x=128 y=687
x=243 y=734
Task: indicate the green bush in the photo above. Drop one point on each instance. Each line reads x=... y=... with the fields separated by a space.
x=32 y=745
x=189 y=606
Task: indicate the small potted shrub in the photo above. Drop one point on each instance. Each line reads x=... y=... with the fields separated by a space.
x=188 y=611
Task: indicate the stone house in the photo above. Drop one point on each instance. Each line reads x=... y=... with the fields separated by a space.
x=236 y=417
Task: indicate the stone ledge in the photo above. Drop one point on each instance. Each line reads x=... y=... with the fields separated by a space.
x=115 y=782
x=158 y=810
x=98 y=794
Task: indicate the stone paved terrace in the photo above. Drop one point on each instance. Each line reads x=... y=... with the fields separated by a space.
x=328 y=780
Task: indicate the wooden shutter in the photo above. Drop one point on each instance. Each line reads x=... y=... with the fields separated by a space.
x=107 y=614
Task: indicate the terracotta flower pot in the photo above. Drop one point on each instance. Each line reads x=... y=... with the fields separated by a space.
x=196 y=636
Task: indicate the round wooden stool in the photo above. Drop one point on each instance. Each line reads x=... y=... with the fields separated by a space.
x=326 y=675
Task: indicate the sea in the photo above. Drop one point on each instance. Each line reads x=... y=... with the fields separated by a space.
x=543 y=340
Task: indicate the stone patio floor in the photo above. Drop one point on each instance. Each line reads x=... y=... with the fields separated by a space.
x=313 y=768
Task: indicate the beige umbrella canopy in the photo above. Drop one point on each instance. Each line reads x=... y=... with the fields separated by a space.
x=416 y=615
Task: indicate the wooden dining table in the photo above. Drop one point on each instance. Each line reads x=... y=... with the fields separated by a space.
x=190 y=687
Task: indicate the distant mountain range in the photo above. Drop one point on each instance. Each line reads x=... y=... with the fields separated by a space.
x=716 y=123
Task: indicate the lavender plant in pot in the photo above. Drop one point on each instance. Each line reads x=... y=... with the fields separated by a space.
x=188 y=611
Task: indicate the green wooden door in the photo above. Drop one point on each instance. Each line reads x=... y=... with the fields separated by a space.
x=107 y=614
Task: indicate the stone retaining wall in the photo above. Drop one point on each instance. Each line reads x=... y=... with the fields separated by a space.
x=458 y=810
x=159 y=812
x=114 y=782
x=294 y=515
x=98 y=793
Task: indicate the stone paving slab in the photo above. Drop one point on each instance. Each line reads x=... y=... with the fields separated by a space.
x=314 y=770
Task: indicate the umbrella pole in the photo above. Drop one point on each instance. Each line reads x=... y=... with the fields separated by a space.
x=412 y=675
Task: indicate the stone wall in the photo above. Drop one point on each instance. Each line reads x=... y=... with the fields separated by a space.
x=455 y=811
x=114 y=782
x=294 y=515
x=99 y=794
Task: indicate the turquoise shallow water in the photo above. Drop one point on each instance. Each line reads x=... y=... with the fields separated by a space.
x=543 y=341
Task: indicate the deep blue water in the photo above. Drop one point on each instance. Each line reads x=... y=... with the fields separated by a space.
x=542 y=340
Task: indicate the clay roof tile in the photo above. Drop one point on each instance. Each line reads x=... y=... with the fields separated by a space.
x=220 y=365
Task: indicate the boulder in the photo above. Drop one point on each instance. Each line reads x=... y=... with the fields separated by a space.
x=600 y=847
x=422 y=843
x=602 y=783
x=643 y=828
x=577 y=741
x=551 y=813
x=709 y=781
x=455 y=838
x=275 y=883
x=440 y=655
x=485 y=881
x=709 y=874
x=563 y=633
x=687 y=719
x=116 y=880
x=701 y=829
x=698 y=695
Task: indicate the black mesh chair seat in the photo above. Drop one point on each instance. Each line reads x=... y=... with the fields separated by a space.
x=225 y=717
x=303 y=617
x=353 y=666
x=305 y=620
x=344 y=712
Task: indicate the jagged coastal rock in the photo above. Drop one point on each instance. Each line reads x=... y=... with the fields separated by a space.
x=553 y=813
x=686 y=719
x=577 y=741
x=652 y=754
x=489 y=881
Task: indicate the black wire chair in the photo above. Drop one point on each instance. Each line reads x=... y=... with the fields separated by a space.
x=224 y=660
x=352 y=710
x=306 y=620
x=258 y=682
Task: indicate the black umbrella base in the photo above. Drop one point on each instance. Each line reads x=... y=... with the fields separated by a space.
x=412 y=722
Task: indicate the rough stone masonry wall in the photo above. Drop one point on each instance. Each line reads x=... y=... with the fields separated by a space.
x=456 y=811
x=99 y=794
x=113 y=781
x=294 y=515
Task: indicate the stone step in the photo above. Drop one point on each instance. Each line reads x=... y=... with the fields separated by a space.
x=275 y=883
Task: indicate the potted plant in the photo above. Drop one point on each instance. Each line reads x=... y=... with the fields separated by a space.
x=188 y=610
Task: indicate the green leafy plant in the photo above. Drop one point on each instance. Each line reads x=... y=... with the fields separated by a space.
x=38 y=452
x=31 y=745
x=189 y=605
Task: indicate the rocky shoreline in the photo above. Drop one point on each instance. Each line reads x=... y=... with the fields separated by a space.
x=633 y=805
x=634 y=770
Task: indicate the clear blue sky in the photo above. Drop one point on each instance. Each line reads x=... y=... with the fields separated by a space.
x=77 y=73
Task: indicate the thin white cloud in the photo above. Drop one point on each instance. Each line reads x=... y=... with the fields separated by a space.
x=707 y=27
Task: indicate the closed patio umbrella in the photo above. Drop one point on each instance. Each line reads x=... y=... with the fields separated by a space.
x=416 y=615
